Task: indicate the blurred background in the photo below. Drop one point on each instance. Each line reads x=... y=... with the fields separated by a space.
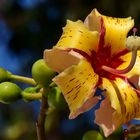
x=27 y=27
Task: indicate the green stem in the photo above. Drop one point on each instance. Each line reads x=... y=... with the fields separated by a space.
x=31 y=96
x=23 y=79
x=40 y=124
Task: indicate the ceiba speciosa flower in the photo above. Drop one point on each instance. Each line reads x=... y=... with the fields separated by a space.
x=93 y=54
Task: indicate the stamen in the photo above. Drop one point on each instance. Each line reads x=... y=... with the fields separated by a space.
x=126 y=70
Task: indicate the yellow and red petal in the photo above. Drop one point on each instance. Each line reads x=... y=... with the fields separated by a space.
x=123 y=107
x=116 y=29
x=78 y=84
x=76 y=35
x=130 y=99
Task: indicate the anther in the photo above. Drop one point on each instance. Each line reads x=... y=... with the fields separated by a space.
x=133 y=42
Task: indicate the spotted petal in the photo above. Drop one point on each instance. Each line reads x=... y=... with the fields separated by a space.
x=116 y=29
x=120 y=109
x=78 y=84
x=76 y=35
x=134 y=74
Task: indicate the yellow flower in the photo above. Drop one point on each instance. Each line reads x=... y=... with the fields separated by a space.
x=90 y=55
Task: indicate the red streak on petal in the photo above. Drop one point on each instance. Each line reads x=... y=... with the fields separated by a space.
x=133 y=87
x=102 y=35
x=103 y=56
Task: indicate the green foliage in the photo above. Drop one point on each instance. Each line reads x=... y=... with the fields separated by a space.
x=138 y=138
x=52 y=119
x=41 y=73
x=32 y=89
x=9 y=92
x=92 y=135
x=116 y=135
x=55 y=98
x=57 y=104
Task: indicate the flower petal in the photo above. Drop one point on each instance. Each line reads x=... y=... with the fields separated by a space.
x=130 y=99
x=105 y=119
x=123 y=107
x=76 y=35
x=108 y=116
x=116 y=29
x=134 y=74
x=92 y=21
x=59 y=59
x=78 y=84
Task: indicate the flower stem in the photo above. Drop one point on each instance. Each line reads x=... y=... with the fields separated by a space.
x=41 y=118
x=126 y=70
x=23 y=79
x=31 y=96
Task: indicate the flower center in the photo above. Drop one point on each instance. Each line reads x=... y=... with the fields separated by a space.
x=126 y=70
x=104 y=58
x=105 y=65
x=132 y=44
x=102 y=61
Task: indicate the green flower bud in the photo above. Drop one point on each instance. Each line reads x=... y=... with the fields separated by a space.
x=41 y=73
x=4 y=75
x=9 y=92
x=92 y=135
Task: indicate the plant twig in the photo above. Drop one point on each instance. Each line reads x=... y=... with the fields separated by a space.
x=23 y=79
x=41 y=119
